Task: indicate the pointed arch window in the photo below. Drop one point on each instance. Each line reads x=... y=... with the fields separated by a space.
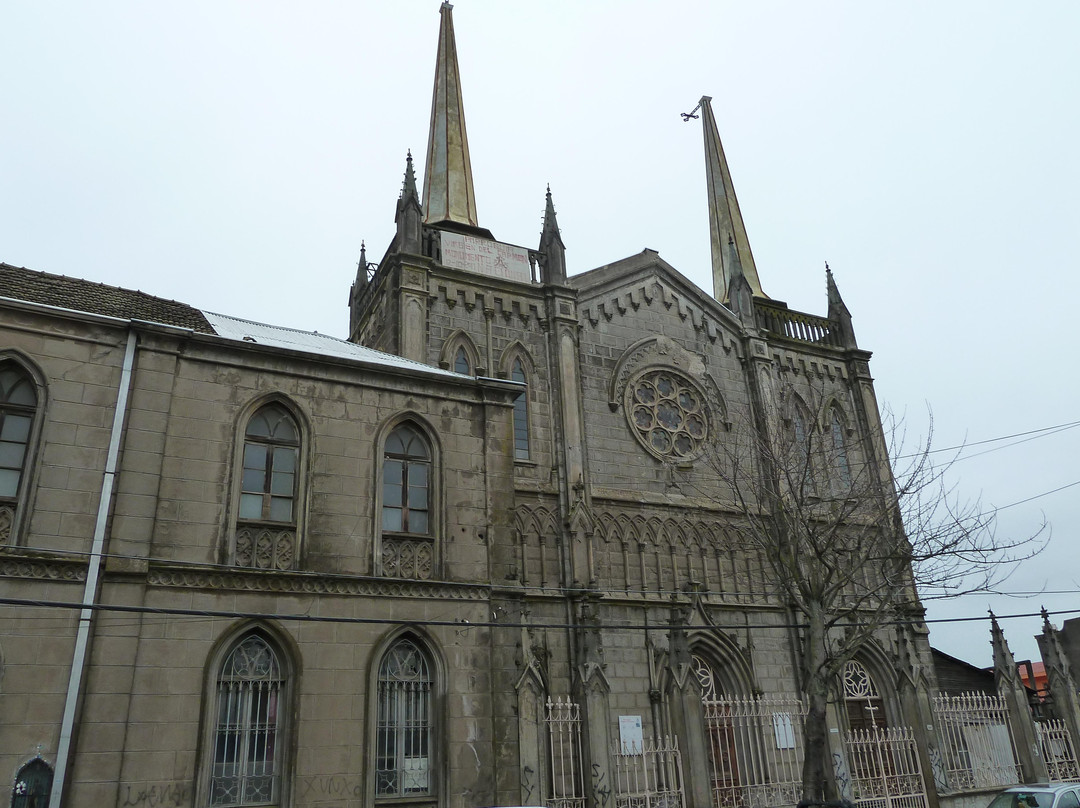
x=841 y=465
x=33 y=785
x=865 y=706
x=18 y=407
x=407 y=543
x=461 y=361
x=249 y=731
x=405 y=722
x=268 y=512
x=521 y=412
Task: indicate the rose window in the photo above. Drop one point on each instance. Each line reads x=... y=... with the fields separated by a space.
x=668 y=414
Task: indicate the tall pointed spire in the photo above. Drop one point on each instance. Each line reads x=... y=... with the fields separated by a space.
x=448 y=183
x=725 y=219
x=552 y=249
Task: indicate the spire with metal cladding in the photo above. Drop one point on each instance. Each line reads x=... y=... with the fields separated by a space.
x=448 y=183
x=725 y=219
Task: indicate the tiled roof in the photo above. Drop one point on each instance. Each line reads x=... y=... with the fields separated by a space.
x=97 y=298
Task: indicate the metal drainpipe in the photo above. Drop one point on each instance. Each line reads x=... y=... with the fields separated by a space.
x=90 y=592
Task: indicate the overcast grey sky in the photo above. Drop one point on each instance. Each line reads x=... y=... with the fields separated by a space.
x=233 y=155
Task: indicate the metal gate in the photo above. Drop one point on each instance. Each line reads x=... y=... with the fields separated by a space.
x=756 y=747
x=884 y=767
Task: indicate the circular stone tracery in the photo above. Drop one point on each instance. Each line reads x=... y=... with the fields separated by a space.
x=667 y=414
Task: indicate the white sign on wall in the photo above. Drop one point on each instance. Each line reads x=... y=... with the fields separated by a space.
x=630 y=741
x=485 y=256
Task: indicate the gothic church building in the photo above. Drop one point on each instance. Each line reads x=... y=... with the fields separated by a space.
x=475 y=555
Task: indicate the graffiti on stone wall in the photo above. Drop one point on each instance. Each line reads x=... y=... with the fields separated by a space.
x=840 y=772
x=334 y=785
x=601 y=789
x=937 y=766
x=527 y=784
x=156 y=795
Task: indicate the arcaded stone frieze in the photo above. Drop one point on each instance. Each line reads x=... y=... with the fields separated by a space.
x=51 y=569
x=315 y=584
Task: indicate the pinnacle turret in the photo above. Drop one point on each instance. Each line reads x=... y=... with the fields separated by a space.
x=838 y=311
x=552 y=249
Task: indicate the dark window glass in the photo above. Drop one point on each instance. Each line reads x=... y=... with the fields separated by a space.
x=268 y=483
x=461 y=362
x=406 y=482
x=18 y=403
x=521 y=414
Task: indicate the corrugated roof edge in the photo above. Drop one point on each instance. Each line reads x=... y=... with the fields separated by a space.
x=241 y=330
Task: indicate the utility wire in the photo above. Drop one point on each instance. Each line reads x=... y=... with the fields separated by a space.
x=461 y=623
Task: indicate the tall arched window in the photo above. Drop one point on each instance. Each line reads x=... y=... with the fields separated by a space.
x=267 y=513
x=521 y=412
x=250 y=719
x=407 y=542
x=32 y=786
x=840 y=465
x=405 y=723
x=18 y=405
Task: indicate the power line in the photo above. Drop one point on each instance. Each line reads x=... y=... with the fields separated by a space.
x=461 y=623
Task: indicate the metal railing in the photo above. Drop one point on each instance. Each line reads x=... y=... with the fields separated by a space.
x=650 y=776
x=976 y=745
x=757 y=748
x=1058 y=750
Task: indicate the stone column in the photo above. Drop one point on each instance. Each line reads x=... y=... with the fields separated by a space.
x=687 y=716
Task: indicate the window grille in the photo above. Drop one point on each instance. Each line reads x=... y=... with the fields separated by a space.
x=247 y=754
x=563 y=718
x=404 y=725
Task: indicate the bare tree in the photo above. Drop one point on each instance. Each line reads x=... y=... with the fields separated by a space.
x=853 y=543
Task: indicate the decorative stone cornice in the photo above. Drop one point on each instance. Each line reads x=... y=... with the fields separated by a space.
x=52 y=569
x=308 y=583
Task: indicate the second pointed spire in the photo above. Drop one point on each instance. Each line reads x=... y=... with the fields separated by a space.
x=448 y=183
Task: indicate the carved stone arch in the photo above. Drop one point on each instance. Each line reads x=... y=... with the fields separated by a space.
x=734 y=675
x=460 y=340
x=862 y=699
x=410 y=553
x=609 y=528
x=279 y=544
x=15 y=512
x=516 y=350
x=835 y=404
x=286 y=653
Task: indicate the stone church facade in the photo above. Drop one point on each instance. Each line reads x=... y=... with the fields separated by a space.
x=477 y=554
